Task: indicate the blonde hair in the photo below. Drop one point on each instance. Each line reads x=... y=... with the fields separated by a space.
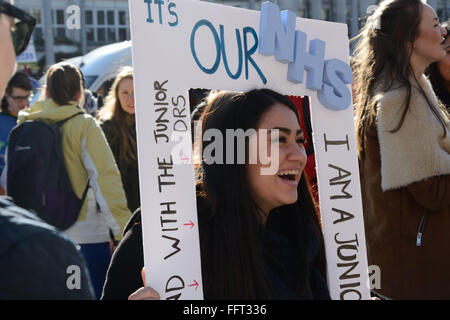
x=112 y=110
x=112 y=104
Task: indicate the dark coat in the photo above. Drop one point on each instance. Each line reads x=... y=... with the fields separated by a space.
x=407 y=225
x=128 y=171
x=35 y=259
x=124 y=273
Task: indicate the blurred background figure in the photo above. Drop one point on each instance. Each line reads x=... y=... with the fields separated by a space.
x=90 y=166
x=119 y=125
x=90 y=103
x=403 y=138
x=439 y=72
x=16 y=98
x=17 y=95
x=35 y=259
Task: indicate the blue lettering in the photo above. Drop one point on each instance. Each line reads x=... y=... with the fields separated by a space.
x=248 y=53
x=334 y=94
x=173 y=13
x=208 y=24
x=159 y=3
x=312 y=61
x=277 y=32
x=149 y=2
x=220 y=44
x=277 y=37
x=224 y=54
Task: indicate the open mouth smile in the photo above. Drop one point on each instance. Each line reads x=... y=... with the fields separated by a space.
x=290 y=176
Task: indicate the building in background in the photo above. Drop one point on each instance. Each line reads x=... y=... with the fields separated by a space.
x=107 y=21
x=352 y=12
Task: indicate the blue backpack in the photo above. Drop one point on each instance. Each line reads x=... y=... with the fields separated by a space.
x=37 y=178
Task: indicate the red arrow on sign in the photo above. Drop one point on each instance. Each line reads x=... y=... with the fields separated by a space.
x=189 y=224
x=195 y=284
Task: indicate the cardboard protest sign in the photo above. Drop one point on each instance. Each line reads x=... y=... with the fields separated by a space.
x=178 y=45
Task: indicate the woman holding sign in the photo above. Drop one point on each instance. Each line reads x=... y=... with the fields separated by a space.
x=404 y=149
x=260 y=237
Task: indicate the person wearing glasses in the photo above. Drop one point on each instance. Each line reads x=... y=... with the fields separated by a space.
x=17 y=95
x=16 y=27
x=16 y=98
x=36 y=260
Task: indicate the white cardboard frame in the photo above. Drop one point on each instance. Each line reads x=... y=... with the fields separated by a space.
x=161 y=51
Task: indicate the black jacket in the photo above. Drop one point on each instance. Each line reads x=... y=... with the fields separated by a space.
x=36 y=260
x=128 y=171
x=124 y=273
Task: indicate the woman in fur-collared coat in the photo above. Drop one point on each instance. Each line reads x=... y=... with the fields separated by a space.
x=403 y=137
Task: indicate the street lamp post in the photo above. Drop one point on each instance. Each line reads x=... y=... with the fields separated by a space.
x=48 y=34
x=316 y=9
x=354 y=22
x=446 y=9
x=83 y=28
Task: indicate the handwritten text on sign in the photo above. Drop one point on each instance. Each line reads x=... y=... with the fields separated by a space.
x=178 y=45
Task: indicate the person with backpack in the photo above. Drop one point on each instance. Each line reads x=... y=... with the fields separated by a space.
x=89 y=163
x=37 y=261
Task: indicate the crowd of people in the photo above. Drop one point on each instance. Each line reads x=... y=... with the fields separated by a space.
x=260 y=235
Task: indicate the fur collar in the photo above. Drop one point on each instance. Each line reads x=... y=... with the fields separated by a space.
x=418 y=150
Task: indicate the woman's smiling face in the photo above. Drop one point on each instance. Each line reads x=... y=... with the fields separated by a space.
x=280 y=188
x=429 y=46
x=126 y=95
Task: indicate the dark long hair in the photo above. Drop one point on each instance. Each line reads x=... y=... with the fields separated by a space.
x=382 y=57
x=229 y=221
x=63 y=83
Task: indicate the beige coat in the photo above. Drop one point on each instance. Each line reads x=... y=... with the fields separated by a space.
x=406 y=196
